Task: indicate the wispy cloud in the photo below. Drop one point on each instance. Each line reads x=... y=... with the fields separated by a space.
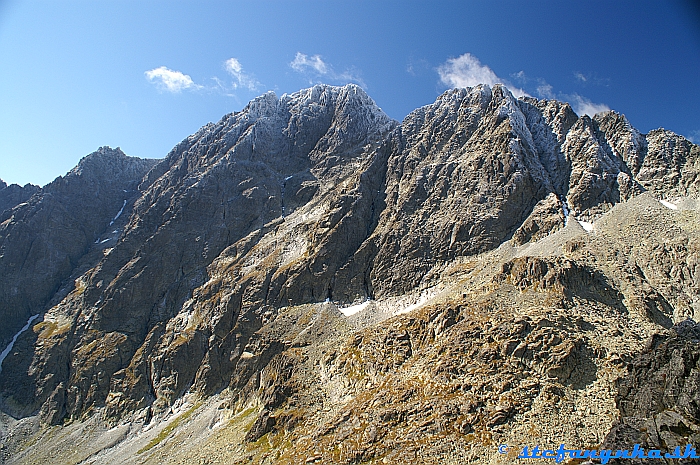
x=694 y=136
x=590 y=79
x=175 y=81
x=170 y=80
x=417 y=66
x=467 y=71
x=519 y=77
x=316 y=68
x=545 y=91
x=583 y=106
x=303 y=62
x=234 y=68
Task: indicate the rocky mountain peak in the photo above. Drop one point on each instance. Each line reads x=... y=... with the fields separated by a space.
x=14 y=194
x=102 y=174
x=626 y=142
x=97 y=159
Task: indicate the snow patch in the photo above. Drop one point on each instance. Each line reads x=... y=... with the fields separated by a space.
x=7 y=350
x=347 y=311
x=586 y=225
x=670 y=205
x=392 y=306
x=119 y=213
x=288 y=178
x=565 y=209
x=424 y=297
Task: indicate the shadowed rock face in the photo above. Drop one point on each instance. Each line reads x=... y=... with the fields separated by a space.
x=310 y=196
x=547 y=217
x=15 y=194
x=49 y=230
x=658 y=398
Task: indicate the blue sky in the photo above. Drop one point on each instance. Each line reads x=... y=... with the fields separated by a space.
x=143 y=75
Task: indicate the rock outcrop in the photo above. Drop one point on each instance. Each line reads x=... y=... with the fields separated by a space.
x=658 y=397
x=14 y=194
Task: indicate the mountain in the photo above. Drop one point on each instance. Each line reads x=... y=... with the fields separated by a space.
x=45 y=232
x=308 y=271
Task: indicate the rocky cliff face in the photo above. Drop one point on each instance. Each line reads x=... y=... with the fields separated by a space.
x=14 y=194
x=45 y=232
x=225 y=268
x=228 y=181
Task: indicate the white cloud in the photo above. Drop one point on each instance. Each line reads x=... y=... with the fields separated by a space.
x=546 y=91
x=694 y=136
x=467 y=71
x=316 y=66
x=172 y=81
x=303 y=62
x=583 y=106
x=519 y=76
x=234 y=68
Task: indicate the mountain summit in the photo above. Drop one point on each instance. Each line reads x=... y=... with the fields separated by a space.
x=311 y=272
